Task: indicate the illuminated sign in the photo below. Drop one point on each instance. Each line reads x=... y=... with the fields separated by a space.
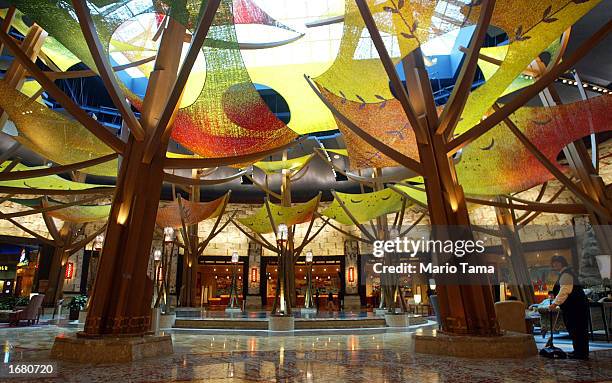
x=351 y=274
x=4 y=268
x=69 y=270
x=254 y=275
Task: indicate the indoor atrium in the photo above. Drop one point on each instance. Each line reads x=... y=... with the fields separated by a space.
x=306 y=191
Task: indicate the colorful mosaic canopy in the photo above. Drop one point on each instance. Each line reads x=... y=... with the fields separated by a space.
x=368 y=206
x=292 y=215
x=294 y=164
x=228 y=117
x=47 y=182
x=497 y=163
x=74 y=214
x=169 y=215
x=53 y=135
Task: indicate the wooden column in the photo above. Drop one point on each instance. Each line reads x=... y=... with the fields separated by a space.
x=513 y=249
x=121 y=303
x=466 y=306
x=57 y=269
x=289 y=261
x=16 y=73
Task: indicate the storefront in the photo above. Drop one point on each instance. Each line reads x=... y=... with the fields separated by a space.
x=18 y=268
x=214 y=279
x=327 y=277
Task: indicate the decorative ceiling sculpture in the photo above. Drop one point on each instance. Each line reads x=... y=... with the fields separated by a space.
x=73 y=214
x=53 y=182
x=384 y=118
x=294 y=164
x=53 y=135
x=227 y=118
x=497 y=163
x=291 y=215
x=169 y=215
x=367 y=206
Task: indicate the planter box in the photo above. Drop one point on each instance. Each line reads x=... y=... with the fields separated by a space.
x=167 y=320
x=82 y=316
x=281 y=323
x=397 y=320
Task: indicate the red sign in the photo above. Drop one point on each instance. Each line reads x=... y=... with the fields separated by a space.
x=69 y=270
x=351 y=274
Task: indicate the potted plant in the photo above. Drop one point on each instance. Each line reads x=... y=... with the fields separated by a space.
x=76 y=305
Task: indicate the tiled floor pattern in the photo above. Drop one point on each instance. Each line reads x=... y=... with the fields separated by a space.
x=367 y=356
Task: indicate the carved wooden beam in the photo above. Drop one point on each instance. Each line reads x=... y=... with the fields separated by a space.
x=32 y=233
x=97 y=129
x=534 y=206
x=24 y=174
x=200 y=182
x=48 y=208
x=164 y=124
x=396 y=156
x=385 y=59
x=90 y=73
x=586 y=199
x=458 y=98
x=195 y=163
x=33 y=191
x=81 y=244
x=361 y=227
x=104 y=68
x=528 y=93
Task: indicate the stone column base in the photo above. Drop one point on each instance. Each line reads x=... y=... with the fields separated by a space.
x=253 y=302
x=110 y=350
x=404 y=320
x=352 y=303
x=281 y=323
x=508 y=345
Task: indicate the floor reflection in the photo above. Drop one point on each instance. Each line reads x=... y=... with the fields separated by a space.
x=320 y=357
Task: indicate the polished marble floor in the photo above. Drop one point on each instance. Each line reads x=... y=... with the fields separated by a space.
x=326 y=356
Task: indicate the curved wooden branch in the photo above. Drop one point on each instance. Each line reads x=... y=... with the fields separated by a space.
x=524 y=220
x=34 y=191
x=163 y=124
x=407 y=196
x=23 y=174
x=212 y=233
x=534 y=206
x=328 y=221
x=584 y=197
x=46 y=208
x=89 y=73
x=401 y=93
x=484 y=230
x=104 y=68
x=81 y=244
x=312 y=219
x=97 y=129
x=363 y=229
x=458 y=98
x=32 y=233
x=252 y=238
x=306 y=241
x=194 y=163
x=396 y=156
x=528 y=93
x=264 y=188
x=200 y=182
x=403 y=233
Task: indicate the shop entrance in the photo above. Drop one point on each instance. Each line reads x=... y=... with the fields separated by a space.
x=327 y=276
x=213 y=281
